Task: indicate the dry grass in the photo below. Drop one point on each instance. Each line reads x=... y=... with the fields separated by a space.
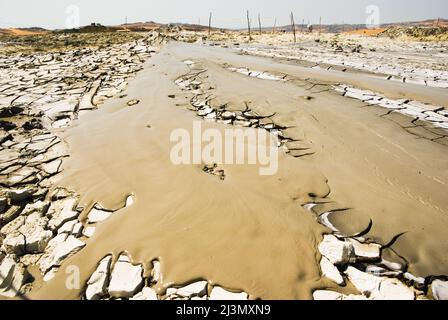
x=366 y=32
x=51 y=42
x=20 y=32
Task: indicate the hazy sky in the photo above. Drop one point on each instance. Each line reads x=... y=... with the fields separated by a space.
x=227 y=13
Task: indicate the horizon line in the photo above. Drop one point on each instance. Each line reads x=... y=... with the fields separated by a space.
x=228 y=28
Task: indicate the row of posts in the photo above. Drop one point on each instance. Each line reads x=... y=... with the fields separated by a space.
x=260 y=29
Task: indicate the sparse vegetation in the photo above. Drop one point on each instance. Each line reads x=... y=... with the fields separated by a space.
x=63 y=41
x=418 y=33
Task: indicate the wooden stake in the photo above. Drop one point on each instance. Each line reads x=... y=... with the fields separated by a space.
x=320 y=25
x=275 y=25
x=248 y=25
x=259 y=24
x=293 y=27
x=303 y=25
x=210 y=24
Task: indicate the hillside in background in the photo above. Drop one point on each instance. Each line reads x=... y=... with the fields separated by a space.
x=22 y=31
x=338 y=28
x=415 y=28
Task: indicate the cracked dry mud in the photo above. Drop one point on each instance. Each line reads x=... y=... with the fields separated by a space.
x=405 y=62
x=356 y=211
x=40 y=95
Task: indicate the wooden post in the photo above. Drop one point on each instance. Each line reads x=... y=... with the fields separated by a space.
x=303 y=25
x=259 y=24
x=248 y=25
x=293 y=27
x=275 y=25
x=320 y=25
x=210 y=24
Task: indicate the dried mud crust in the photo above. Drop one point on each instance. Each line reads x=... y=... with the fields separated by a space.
x=409 y=62
x=34 y=157
x=118 y=278
x=202 y=103
x=41 y=94
x=421 y=120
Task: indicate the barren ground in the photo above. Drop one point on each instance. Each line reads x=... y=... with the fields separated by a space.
x=358 y=206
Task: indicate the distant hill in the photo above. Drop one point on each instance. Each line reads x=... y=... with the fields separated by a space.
x=134 y=27
x=424 y=23
x=92 y=28
x=151 y=25
x=195 y=27
x=137 y=26
x=22 y=31
x=140 y=26
x=338 y=28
